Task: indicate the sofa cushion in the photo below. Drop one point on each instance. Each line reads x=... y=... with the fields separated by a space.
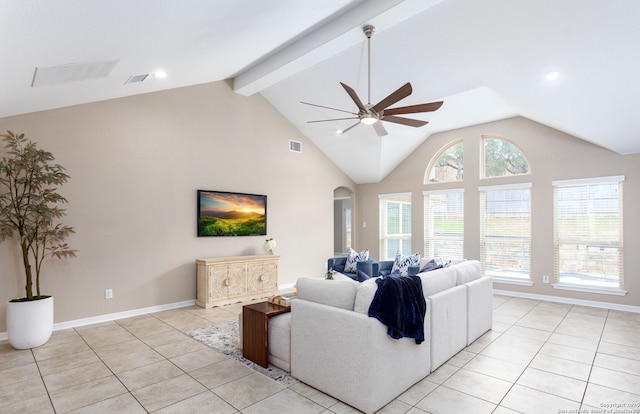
x=438 y=280
x=467 y=271
x=364 y=296
x=401 y=263
x=353 y=257
x=336 y=293
x=280 y=341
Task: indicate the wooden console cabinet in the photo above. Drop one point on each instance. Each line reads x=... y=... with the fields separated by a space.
x=225 y=280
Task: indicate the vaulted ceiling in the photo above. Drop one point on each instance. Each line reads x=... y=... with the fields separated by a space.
x=487 y=59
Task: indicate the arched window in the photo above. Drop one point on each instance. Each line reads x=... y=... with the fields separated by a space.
x=502 y=158
x=447 y=165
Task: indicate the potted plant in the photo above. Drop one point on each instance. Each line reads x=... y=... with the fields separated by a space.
x=30 y=206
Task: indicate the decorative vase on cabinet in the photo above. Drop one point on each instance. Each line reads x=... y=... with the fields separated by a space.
x=225 y=280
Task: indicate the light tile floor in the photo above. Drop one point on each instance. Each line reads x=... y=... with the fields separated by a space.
x=540 y=357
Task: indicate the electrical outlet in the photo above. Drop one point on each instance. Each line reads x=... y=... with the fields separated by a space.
x=108 y=294
x=545 y=278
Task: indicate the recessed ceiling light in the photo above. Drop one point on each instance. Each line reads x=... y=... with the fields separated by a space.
x=551 y=76
x=339 y=132
x=160 y=74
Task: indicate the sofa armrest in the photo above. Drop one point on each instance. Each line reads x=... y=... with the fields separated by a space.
x=384 y=267
x=369 y=267
x=337 y=263
x=349 y=356
x=447 y=311
x=480 y=307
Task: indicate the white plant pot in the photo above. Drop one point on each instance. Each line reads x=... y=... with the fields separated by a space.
x=29 y=324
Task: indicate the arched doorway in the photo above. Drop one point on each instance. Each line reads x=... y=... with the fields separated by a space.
x=342 y=220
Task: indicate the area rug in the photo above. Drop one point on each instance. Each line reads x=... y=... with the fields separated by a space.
x=224 y=337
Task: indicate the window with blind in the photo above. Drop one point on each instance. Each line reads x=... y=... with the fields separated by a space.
x=444 y=224
x=505 y=232
x=395 y=225
x=588 y=234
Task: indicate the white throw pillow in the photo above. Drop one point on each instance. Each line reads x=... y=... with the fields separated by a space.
x=353 y=258
x=402 y=263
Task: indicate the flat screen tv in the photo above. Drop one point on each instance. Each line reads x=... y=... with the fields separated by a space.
x=222 y=213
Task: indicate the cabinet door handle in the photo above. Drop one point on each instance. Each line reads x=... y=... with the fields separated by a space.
x=261 y=278
x=226 y=282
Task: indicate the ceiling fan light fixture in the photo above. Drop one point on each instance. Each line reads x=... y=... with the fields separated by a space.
x=552 y=76
x=368 y=119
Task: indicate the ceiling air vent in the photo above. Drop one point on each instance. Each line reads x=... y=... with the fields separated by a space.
x=295 y=146
x=54 y=75
x=137 y=78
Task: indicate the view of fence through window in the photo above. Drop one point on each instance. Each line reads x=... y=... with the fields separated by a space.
x=505 y=231
x=587 y=226
x=588 y=232
x=444 y=224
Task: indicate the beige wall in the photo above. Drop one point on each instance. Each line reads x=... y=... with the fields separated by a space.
x=552 y=155
x=135 y=165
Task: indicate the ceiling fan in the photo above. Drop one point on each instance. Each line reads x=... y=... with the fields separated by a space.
x=372 y=114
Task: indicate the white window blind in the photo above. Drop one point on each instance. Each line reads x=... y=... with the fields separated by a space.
x=588 y=232
x=395 y=225
x=505 y=231
x=444 y=224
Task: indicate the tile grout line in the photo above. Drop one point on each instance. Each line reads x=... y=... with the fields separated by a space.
x=536 y=354
x=595 y=355
x=513 y=384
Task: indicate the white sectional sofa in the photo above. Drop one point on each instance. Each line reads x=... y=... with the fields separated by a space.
x=335 y=347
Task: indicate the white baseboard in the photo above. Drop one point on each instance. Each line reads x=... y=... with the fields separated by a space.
x=114 y=316
x=570 y=301
x=287 y=286
x=128 y=314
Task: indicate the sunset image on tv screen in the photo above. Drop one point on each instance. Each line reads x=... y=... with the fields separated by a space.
x=231 y=214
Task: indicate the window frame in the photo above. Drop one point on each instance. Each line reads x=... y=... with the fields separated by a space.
x=435 y=158
x=432 y=241
x=483 y=157
x=525 y=281
x=401 y=236
x=558 y=185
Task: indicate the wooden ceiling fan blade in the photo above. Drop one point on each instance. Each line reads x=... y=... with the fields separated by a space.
x=353 y=96
x=400 y=93
x=345 y=130
x=328 y=107
x=404 y=121
x=333 y=119
x=414 y=109
x=380 y=130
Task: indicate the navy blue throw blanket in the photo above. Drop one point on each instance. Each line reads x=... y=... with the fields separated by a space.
x=399 y=303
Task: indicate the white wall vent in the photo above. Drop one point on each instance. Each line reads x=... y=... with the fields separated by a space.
x=295 y=146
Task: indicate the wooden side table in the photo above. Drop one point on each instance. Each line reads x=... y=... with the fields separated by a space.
x=255 y=330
